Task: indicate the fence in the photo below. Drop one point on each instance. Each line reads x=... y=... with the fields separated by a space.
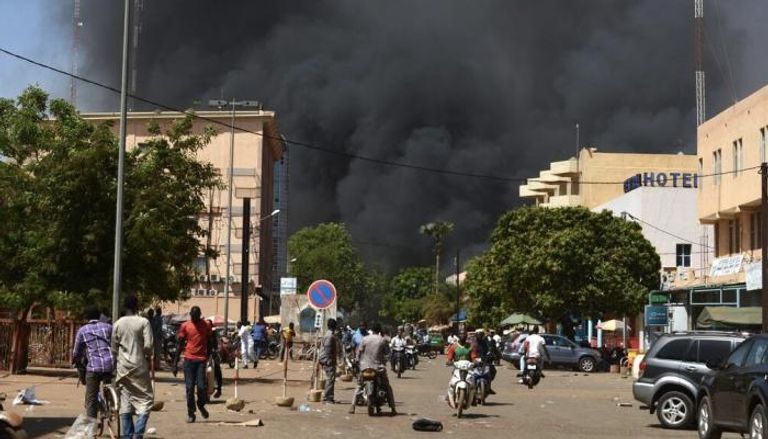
x=51 y=342
x=6 y=341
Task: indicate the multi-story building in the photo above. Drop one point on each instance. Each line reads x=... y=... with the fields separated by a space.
x=591 y=179
x=257 y=151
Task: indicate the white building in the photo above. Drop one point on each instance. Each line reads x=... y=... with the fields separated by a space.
x=669 y=218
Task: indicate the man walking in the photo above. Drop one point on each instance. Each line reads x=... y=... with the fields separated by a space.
x=246 y=342
x=93 y=343
x=196 y=332
x=329 y=356
x=157 y=335
x=132 y=345
x=259 y=333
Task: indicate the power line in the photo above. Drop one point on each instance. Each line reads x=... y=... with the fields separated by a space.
x=667 y=232
x=311 y=146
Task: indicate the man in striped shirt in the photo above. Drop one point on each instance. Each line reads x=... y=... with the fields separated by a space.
x=93 y=343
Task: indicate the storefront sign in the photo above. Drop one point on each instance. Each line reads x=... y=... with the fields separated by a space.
x=658 y=297
x=656 y=315
x=754 y=276
x=726 y=266
x=661 y=179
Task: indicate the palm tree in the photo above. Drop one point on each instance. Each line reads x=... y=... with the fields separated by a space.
x=437 y=230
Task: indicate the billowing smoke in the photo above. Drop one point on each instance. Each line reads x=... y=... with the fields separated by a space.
x=489 y=87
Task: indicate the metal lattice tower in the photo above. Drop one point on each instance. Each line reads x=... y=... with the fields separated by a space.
x=701 y=102
x=76 y=25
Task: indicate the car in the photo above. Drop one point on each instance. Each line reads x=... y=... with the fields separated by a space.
x=673 y=368
x=735 y=397
x=563 y=352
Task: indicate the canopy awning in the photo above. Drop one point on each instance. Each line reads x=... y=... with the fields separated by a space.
x=515 y=319
x=612 y=326
x=723 y=317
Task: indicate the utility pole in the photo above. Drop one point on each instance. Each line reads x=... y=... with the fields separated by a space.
x=764 y=241
x=458 y=291
x=117 y=276
x=76 y=25
x=701 y=103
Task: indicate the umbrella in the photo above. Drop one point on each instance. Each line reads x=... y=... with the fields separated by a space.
x=218 y=320
x=612 y=326
x=515 y=319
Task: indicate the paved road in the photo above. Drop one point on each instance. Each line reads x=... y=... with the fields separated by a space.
x=564 y=405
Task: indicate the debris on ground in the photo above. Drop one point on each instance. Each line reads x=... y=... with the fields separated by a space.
x=28 y=396
x=252 y=423
x=624 y=404
x=235 y=404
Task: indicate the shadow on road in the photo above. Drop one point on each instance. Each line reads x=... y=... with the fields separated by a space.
x=498 y=404
x=46 y=427
x=477 y=416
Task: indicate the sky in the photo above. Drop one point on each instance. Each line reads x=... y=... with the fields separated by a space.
x=495 y=88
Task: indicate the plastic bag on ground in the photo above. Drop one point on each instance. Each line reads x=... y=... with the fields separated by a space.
x=84 y=427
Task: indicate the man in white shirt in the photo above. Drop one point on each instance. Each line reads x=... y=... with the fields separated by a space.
x=536 y=347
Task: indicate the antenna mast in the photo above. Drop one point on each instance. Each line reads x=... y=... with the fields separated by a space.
x=698 y=16
x=76 y=25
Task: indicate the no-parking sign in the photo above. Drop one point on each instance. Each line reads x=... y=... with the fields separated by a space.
x=321 y=294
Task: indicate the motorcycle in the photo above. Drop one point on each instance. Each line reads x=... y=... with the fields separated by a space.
x=482 y=375
x=228 y=350
x=398 y=361
x=411 y=358
x=532 y=373
x=374 y=393
x=350 y=362
x=10 y=423
x=496 y=353
x=462 y=387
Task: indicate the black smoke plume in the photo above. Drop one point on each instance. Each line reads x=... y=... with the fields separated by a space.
x=492 y=87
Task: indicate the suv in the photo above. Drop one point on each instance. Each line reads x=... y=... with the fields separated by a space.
x=734 y=398
x=671 y=372
x=563 y=352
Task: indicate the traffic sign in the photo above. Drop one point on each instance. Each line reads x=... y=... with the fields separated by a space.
x=321 y=294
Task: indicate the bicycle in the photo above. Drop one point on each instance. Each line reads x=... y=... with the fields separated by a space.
x=108 y=415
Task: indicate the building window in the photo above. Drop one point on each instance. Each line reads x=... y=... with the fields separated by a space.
x=763 y=143
x=683 y=253
x=717 y=165
x=701 y=172
x=755 y=231
x=734 y=236
x=738 y=157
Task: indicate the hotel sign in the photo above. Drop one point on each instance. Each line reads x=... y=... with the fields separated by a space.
x=661 y=179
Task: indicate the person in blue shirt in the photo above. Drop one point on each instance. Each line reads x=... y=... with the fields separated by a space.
x=357 y=337
x=259 y=334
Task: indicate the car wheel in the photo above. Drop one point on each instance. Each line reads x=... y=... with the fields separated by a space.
x=674 y=410
x=587 y=364
x=706 y=425
x=758 y=423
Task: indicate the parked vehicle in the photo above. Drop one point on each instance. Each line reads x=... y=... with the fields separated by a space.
x=461 y=391
x=562 y=351
x=437 y=342
x=11 y=423
x=482 y=377
x=374 y=393
x=735 y=397
x=672 y=370
x=228 y=349
x=399 y=362
x=411 y=358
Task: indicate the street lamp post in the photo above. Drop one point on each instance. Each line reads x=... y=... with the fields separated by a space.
x=230 y=189
x=246 y=255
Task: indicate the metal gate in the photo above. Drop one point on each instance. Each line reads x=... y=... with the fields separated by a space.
x=6 y=341
x=51 y=343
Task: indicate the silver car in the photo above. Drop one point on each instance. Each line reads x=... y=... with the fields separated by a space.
x=562 y=351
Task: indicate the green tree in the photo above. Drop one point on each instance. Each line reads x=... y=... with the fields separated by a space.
x=561 y=261
x=438 y=231
x=326 y=252
x=407 y=294
x=58 y=192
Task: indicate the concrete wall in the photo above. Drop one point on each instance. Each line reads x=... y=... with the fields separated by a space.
x=672 y=210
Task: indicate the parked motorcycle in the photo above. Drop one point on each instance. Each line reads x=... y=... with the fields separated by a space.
x=411 y=358
x=374 y=392
x=228 y=350
x=532 y=373
x=399 y=363
x=426 y=350
x=350 y=362
x=481 y=372
x=10 y=423
x=462 y=387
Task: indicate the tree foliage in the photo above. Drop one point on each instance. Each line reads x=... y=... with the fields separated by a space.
x=407 y=294
x=326 y=252
x=560 y=261
x=57 y=206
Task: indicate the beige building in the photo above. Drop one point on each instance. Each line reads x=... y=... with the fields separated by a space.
x=256 y=151
x=594 y=178
x=734 y=143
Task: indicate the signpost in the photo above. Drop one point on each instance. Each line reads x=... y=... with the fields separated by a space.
x=287 y=286
x=321 y=294
x=656 y=315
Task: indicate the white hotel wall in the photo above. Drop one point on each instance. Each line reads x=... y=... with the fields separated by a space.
x=670 y=209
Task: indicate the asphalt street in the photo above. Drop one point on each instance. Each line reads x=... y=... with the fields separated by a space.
x=565 y=405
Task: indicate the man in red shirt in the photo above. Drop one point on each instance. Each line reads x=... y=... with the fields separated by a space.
x=196 y=333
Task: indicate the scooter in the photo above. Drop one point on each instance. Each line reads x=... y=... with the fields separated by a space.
x=461 y=391
x=374 y=393
x=398 y=361
x=411 y=357
x=532 y=372
x=228 y=351
x=10 y=423
x=482 y=375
